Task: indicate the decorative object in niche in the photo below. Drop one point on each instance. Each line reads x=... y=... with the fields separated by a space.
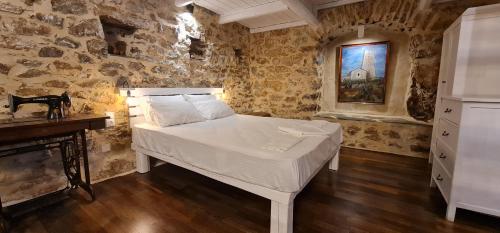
x=116 y=33
x=363 y=72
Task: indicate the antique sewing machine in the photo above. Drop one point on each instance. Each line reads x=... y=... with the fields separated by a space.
x=59 y=131
x=57 y=104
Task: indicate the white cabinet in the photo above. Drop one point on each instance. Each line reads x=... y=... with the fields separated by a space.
x=470 y=58
x=465 y=148
x=466 y=164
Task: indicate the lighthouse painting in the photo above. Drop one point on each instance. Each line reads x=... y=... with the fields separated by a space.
x=363 y=73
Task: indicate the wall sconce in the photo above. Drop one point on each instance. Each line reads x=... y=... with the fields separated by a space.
x=125 y=90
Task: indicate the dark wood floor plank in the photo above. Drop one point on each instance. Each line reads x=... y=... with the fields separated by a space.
x=372 y=192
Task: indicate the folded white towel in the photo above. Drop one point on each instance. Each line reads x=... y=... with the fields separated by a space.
x=282 y=143
x=304 y=130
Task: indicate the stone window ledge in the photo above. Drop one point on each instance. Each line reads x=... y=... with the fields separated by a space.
x=370 y=118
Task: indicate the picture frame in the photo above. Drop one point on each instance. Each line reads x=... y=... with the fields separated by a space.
x=362 y=73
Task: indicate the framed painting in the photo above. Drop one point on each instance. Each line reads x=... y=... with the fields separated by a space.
x=363 y=73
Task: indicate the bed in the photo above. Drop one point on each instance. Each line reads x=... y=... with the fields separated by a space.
x=239 y=150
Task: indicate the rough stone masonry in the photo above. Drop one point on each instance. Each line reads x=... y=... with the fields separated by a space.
x=287 y=67
x=52 y=46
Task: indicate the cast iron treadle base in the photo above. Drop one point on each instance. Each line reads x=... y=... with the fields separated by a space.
x=70 y=153
x=73 y=148
x=4 y=225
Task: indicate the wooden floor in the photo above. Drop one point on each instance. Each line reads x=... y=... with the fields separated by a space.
x=372 y=192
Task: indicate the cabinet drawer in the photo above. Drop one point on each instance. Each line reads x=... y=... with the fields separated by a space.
x=448 y=133
x=442 y=180
x=451 y=110
x=446 y=156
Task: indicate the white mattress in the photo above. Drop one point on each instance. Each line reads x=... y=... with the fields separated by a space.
x=232 y=147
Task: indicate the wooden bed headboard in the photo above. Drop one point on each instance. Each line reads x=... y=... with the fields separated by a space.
x=135 y=113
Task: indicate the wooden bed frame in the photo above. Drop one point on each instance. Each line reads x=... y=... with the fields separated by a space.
x=281 y=202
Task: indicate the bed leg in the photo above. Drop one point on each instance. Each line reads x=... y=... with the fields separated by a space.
x=281 y=217
x=142 y=162
x=334 y=163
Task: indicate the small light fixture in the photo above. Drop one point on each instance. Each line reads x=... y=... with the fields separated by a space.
x=125 y=89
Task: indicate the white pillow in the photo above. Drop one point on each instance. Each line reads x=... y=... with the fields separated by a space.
x=213 y=109
x=173 y=113
x=163 y=99
x=145 y=101
x=195 y=98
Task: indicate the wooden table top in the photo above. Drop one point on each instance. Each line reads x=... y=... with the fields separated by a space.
x=22 y=129
x=44 y=122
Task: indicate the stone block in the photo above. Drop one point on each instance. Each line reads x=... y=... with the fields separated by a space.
x=85 y=59
x=15 y=43
x=32 y=73
x=89 y=27
x=50 y=52
x=77 y=7
x=29 y=63
x=28 y=91
x=50 y=19
x=111 y=68
x=10 y=8
x=137 y=66
x=56 y=84
x=97 y=47
x=4 y=69
x=60 y=65
x=67 y=42
x=21 y=26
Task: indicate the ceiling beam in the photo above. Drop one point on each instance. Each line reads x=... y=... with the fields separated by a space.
x=278 y=26
x=181 y=3
x=253 y=12
x=441 y=1
x=303 y=11
x=424 y=4
x=336 y=4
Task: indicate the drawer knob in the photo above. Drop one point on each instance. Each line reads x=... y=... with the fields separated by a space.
x=445 y=133
x=448 y=110
x=439 y=178
x=442 y=156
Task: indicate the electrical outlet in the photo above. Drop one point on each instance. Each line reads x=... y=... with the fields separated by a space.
x=111 y=121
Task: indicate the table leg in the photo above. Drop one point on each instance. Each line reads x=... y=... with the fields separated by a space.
x=86 y=185
x=71 y=154
x=3 y=222
x=71 y=161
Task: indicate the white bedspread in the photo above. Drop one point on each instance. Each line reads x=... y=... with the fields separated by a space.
x=236 y=147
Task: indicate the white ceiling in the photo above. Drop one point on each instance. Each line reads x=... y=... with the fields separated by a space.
x=225 y=6
x=266 y=15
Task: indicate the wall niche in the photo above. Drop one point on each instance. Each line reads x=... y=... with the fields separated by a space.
x=197 y=48
x=117 y=34
x=398 y=74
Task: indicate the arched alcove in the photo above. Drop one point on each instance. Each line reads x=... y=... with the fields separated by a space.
x=398 y=73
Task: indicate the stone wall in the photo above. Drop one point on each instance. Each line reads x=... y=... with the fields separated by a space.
x=51 y=46
x=288 y=68
x=284 y=72
x=396 y=138
x=399 y=136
